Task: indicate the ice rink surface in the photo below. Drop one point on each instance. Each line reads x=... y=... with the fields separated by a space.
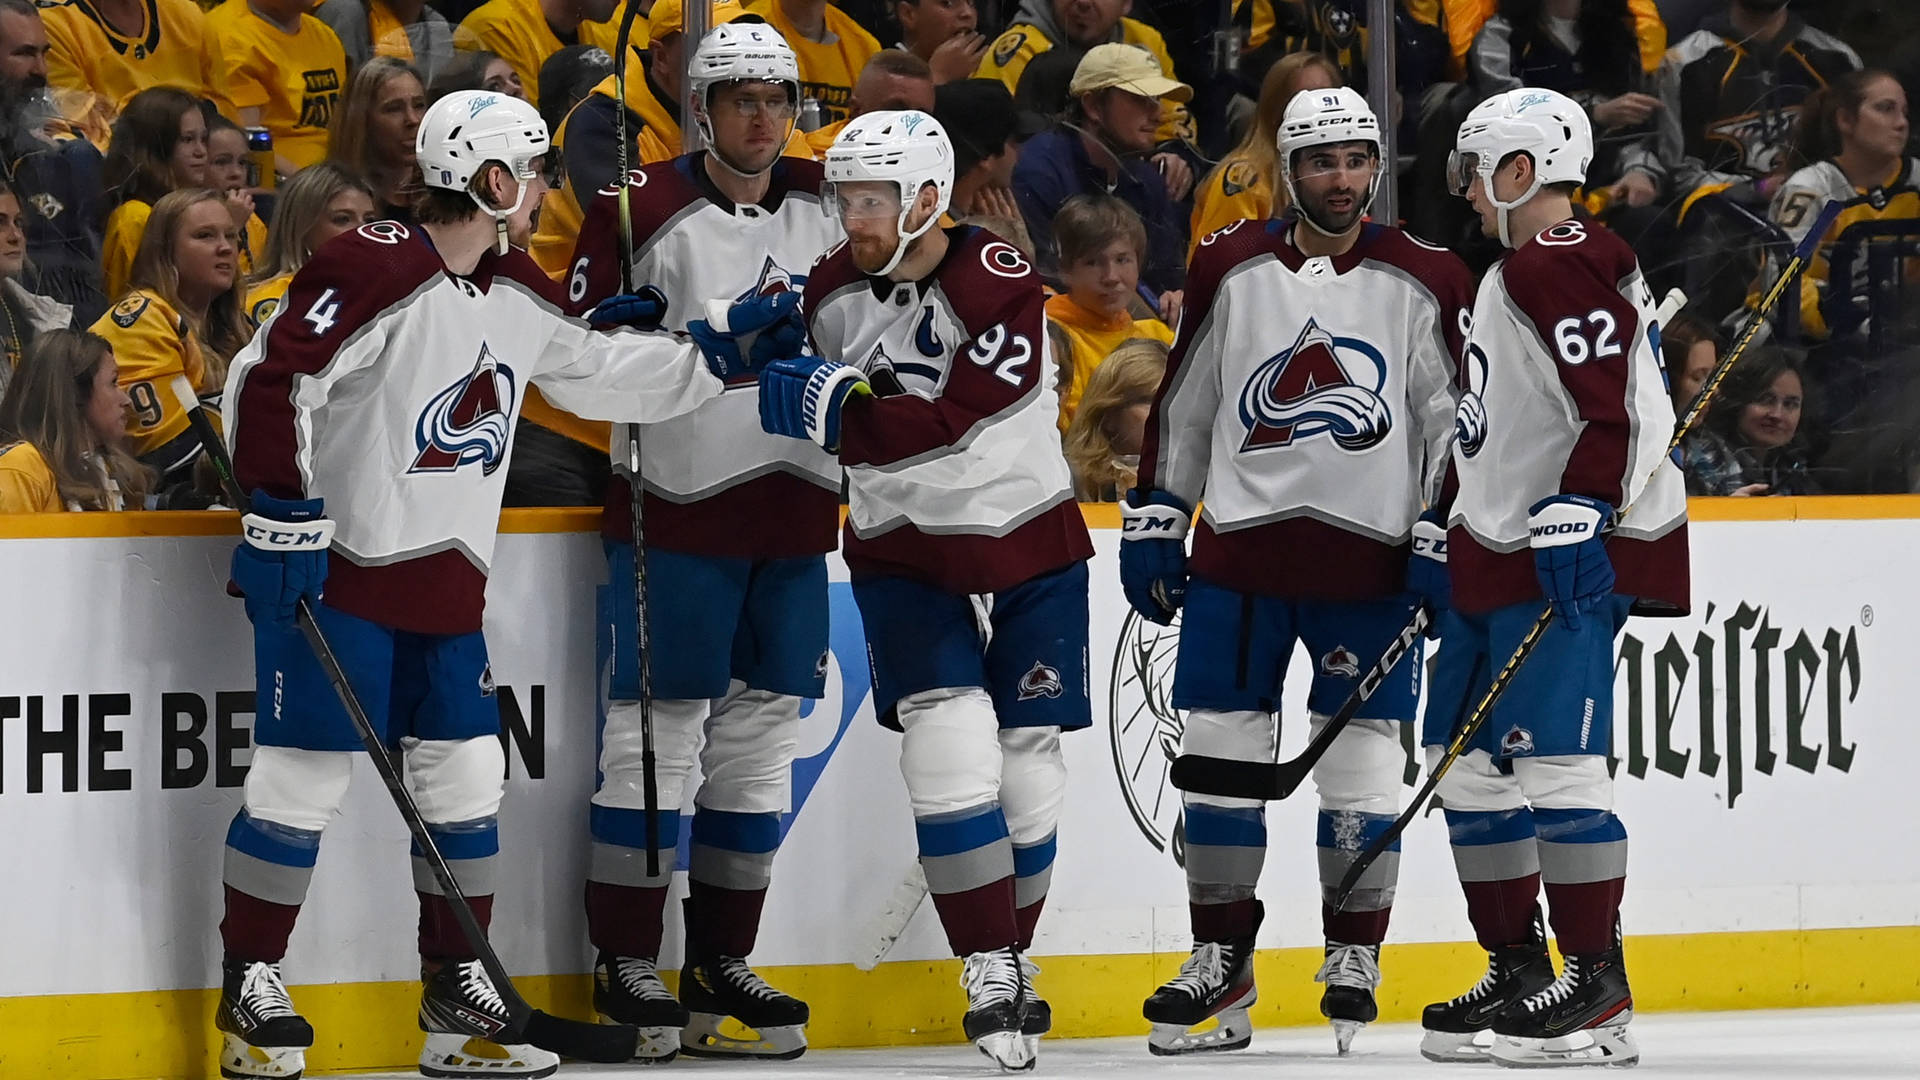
x=1853 y=1043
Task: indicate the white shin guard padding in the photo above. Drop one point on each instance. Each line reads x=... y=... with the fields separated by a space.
x=747 y=763
x=1361 y=771
x=949 y=750
x=1572 y=782
x=456 y=779
x=1238 y=736
x=1033 y=782
x=1475 y=783
x=676 y=739
x=301 y=789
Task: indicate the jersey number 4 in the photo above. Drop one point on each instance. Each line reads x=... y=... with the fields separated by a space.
x=1007 y=354
x=1579 y=340
x=323 y=313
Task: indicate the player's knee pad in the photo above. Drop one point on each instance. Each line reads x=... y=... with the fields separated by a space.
x=1033 y=782
x=949 y=749
x=1571 y=782
x=1244 y=735
x=676 y=739
x=1475 y=783
x=456 y=779
x=301 y=789
x=1361 y=771
x=747 y=762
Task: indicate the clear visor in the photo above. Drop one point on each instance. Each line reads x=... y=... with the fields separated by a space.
x=1462 y=167
x=864 y=200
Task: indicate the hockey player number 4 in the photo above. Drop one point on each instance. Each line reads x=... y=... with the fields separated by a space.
x=1005 y=353
x=322 y=313
x=1577 y=345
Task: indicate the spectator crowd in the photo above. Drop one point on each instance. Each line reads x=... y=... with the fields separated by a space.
x=168 y=165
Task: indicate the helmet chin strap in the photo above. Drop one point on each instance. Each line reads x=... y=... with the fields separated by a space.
x=906 y=238
x=501 y=241
x=705 y=123
x=1501 y=207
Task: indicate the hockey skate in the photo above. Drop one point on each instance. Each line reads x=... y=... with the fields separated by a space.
x=628 y=990
x=1581 y=1019
x=264 y=1037
x=997 y=1008
x=1462 y=1029
x=1039 y=1018
x=1351 y=973
x=1216 y=981
x=465 y=1019
x=722 y=987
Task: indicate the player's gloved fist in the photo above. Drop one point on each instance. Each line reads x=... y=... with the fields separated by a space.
x=638 y=310
x=1568 y=536
x=740 y=339
x=1153 y=553
x=282 y=557
x=1427 y=567
x=805 y=397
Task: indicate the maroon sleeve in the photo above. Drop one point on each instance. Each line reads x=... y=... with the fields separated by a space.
x=593 y=271
x=832 y=271
x=1567 y=284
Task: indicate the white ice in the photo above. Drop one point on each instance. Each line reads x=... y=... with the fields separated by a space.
x=1856 y=1043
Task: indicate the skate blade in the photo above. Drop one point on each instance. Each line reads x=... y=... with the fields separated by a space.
x=1233 y=1031
x=241 y=1061
x=1009 y=1050
x=1343 y=1033
x=711 y=1035
x=1454 y=1047
x=452 y=1056
x=1610 y=1047
x=657 y=1045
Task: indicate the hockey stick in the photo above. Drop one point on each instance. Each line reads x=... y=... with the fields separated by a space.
x=569 y=1038
x=877 y=938
x=1231 y=778
x=1789 y=274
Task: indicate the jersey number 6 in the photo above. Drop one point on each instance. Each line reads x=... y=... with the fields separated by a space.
x=1007 y=354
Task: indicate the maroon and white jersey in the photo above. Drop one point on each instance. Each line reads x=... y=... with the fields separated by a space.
x=1308 y=406
x=716 y=483
x=954 y=468
x=1563 y=393
x=389 y=388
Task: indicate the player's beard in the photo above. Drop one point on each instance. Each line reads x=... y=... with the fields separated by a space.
x=1330 y=222
x=871 y=253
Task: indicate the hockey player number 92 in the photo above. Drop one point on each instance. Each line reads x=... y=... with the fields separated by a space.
x=1573 y=344
x=1006 y=353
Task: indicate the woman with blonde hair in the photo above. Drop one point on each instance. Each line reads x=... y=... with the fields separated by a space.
x=1103 y=441
x=373 y=131
x=182 y=316
x=1242 y=185
x=159 y=144
x=319 y=203
x=63 y=430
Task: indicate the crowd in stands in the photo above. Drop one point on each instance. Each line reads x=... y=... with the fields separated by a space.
x=169 y=164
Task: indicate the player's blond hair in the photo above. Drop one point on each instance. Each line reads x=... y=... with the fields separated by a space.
x=1130 y=375
x=46 y=406
x=224 y=328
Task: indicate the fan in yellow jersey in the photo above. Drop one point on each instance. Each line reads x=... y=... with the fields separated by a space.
x=159 y=145
x=64 y=415
x=319 y=203
x=832 y=49
x=1042 y=24
x=281 y=69
x=226 y=173
x=1102 y=244
x=1241 y=186
x=102 y=52
x=525 y=32
x=182 y=317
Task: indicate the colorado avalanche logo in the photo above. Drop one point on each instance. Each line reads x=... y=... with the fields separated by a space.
x=1341 y=663
x=467 y=423
x=888 y=376
x=1041 y=681
x=774 y=279
x=1470 y=416
x=1309 y=390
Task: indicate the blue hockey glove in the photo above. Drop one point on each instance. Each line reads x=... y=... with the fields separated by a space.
x=1568 y=536
x=740 y=339
x=1427 y=576
x=805 y=397
x=642 y=311
x=1153 y=553
x=282 y=557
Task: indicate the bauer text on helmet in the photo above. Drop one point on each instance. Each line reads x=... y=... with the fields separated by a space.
x=466 y=130
x=876 y=170
x=1329 y=151
x=1549 y=128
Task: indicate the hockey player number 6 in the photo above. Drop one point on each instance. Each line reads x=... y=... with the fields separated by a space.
x=989 y=347
x=1573 y=344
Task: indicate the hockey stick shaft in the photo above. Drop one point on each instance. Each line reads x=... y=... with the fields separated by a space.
x=573 y=1038
x=1483 y=709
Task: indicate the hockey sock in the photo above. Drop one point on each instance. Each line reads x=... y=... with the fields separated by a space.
x=472 y=851
x=729 y=868
x=1499 y=866
x=1032 y=875
x=1583 y=861
x=266 y=872
x=968 y=860
x=1224 y=921
x=624 y=905
x=1341 y=836
x=1226 y=848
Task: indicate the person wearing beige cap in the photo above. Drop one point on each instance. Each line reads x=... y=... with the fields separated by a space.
x=1043 y=25
x=1106 y=144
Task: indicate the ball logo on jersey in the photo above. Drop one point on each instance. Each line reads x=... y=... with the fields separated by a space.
x=1041 y=681
x=1321 y=385
x=466 y=423
x=1470 y=416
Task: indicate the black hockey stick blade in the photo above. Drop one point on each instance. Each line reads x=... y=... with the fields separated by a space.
x=581 y=1040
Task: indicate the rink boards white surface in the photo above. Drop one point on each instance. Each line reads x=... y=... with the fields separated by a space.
x=1771 y=862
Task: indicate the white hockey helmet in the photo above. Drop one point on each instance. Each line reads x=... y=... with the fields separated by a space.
x=740 y=51
x=465 y=130
x=1547 y=126
x=1319 y=118
x=908 y=148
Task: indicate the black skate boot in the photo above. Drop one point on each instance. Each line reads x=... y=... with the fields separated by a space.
x=264 y=1037
x=719 y=987
x=1351 y=973
x=1513 y=972
x=1217 y=980
x=1039 y=1019
x=466 y=1023
x=1581 y=1019
x=997 y=1005
x=628 y=990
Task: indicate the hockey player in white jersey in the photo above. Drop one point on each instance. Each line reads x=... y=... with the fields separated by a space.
x=1564 y=421
x=1307 y=406
x=738 y=524
x=376 y=411
x=968 y=554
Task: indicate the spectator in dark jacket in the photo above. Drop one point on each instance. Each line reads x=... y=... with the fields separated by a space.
x=55 y=173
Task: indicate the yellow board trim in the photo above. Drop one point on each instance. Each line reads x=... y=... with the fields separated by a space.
x=169 y=1033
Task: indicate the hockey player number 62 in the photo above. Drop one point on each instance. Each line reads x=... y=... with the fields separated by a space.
x=1579 y=340
x=1005 y=353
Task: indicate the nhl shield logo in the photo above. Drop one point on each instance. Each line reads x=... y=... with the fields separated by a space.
x=1041 y=681
x=1320 y=385
x=468 y=422
x=1341 y=663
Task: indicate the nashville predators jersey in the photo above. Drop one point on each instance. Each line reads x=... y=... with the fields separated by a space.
x=263 y=298
x=1800 y=200
x=295 y=80
x=125 y=225
x=1237 y=189
x=152 y=344
x=1007 y=59
x=93 y=68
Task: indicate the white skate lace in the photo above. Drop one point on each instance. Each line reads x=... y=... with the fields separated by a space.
x=639 y=977
x=1480 y=989
x=735 y=970
x=991 y=977
x=479 y=989
x=264 y=994
x=1561 y=989
x=1203 y=971
x=1350 y=965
